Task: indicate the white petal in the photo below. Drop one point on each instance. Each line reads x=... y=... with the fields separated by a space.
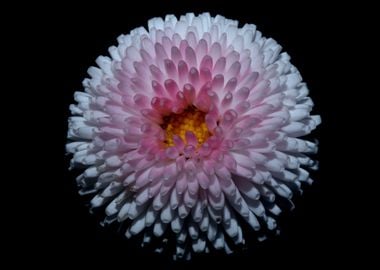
x=123 y=214
x=167 y=214
x=199 y=245
x=204 y=224
x=159 y=228
x=150 y=216
x=137 y=225
x=193 y=230
x=177 y=224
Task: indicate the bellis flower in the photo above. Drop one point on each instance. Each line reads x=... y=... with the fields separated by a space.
x=190 y=128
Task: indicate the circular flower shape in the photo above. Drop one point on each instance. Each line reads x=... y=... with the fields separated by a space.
x=192 y=126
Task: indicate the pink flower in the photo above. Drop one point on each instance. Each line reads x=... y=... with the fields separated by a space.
x=189 y=125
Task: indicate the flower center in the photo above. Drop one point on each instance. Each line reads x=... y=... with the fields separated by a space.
x=192 y=120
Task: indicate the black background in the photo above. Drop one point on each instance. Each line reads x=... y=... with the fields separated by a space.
x=318 y=231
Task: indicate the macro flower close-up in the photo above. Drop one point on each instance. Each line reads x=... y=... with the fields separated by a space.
x=190 y=128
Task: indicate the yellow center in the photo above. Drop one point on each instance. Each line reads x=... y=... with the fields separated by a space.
x=190 y=120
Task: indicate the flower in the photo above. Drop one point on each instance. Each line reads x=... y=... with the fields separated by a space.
x=191 y=127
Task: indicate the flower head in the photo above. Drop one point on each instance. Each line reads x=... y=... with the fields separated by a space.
x=192 y=126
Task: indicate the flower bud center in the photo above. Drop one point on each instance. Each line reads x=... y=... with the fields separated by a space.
x=192 y=120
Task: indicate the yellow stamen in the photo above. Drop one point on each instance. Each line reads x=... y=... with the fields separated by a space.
x=190 y=120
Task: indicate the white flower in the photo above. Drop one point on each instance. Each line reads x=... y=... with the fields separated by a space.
x=190 y=125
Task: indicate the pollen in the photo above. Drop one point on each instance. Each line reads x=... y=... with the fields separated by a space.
x=192 y=120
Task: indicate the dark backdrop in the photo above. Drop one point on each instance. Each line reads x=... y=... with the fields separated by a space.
x=315 y=233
